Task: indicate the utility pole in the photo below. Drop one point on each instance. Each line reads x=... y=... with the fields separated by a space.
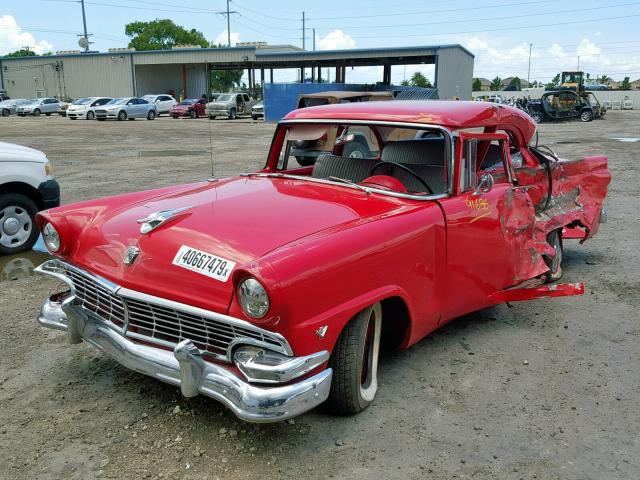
x=529 y=69
x=228 y=26
x=84 y=26
x=314 y=39
x=304 y=32
x=578 y=62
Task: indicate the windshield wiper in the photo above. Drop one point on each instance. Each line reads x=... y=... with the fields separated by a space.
x=349 y=182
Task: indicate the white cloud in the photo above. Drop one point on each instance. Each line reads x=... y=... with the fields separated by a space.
x=13 y=38
x=335 y=40
x=222 y=39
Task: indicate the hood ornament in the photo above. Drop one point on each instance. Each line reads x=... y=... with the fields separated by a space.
x=130 y=255
x=156 y=219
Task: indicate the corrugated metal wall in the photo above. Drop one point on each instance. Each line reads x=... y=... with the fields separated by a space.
x=454 y=72
x=159 y=79
x=197 y=84
x=68 y=77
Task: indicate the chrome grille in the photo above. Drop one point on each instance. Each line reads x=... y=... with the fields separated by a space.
x=96 y=297
x=157 y=323
x=171 y=325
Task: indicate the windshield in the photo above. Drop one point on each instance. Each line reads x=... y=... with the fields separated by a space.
x=189 y=101
x=118 y=101
x=225 y=98
x=83 y=101
x=404 y=160
x=34 y=100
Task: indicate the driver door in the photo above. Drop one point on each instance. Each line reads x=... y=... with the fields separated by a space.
x=489 y=220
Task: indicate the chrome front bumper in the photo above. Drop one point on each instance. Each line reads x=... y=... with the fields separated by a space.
x=186 y=368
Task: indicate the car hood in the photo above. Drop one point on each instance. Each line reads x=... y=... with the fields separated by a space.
x=220 y=104
x=10 y=152
x=238 y=220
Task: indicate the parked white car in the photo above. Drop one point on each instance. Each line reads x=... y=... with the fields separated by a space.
x=86 y=107
x=127 y=108
x=38 y=106
x=163 y=102
x=10 y=107
x=26 y=187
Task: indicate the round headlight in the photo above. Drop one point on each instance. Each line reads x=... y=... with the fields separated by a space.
x=253 y=298
x=51 y=238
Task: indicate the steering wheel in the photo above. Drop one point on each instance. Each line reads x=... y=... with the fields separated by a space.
x=402 y=167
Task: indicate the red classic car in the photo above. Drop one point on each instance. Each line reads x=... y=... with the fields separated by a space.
x=271 y=291
x=191 y=107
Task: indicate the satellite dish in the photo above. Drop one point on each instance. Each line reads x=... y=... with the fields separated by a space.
x=83 y=42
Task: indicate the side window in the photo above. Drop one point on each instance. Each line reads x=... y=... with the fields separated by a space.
x=468 y=178
x=245 y=97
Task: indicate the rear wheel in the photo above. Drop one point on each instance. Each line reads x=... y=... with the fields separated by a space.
x=555 y=263
x=151 y=115
x=212 y=117
x=356 y=149
x=90 y=115
x=17 y=223
x=122 y=115
x=355 y=363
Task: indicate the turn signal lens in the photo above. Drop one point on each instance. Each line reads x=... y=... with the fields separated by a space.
x=51 y=238
x=253 y=298
x=48 y=169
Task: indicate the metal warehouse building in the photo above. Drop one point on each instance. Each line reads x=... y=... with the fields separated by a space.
x=122 y=72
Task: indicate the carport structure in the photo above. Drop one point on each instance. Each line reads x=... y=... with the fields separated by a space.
x=186 y=71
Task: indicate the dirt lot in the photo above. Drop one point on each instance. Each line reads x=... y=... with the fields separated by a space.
x=545 y=389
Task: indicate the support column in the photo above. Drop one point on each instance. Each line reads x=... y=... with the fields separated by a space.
x=386 y=75
x=319 y=74
x=271 y=75
x=262 y=77
x=249 y=79
x=338 y=71
x=183 y=94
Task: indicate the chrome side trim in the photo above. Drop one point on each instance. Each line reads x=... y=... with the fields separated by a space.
x=184 y=367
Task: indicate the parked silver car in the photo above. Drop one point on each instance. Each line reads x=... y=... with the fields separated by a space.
x=86 y=107
x=127 y=108
x=163 y=102
x=257 y=111
x=10 y=107
x=36 y=106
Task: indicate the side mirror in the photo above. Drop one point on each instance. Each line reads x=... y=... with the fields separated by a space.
x=342 y=139
x=484 y=185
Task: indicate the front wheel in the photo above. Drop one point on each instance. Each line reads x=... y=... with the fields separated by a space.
x=212 y=117
x=122 y=115
x=17 y=223
x=232 y=114
x=151 y=115
x=36 y=112
x=355 y=363
x=192 y=114
x=586 y=116
x=5 y=112
x=90 y=115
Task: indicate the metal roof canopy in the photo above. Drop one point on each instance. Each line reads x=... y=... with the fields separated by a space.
x=453 y=63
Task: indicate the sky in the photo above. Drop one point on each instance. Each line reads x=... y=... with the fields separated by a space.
x=601 y=35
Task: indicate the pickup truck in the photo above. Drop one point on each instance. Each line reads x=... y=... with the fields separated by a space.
x=230 y=105
x=27 y=186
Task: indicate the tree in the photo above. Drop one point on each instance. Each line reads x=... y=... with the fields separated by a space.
x=555 y=82
x=224 y=80
x=626 y=84
x=162 y=35
x=516 y=82
x=23 y=52
x=604 y=79
x=419 y=80
x=477 y=85
x=496 y=84
x=405 y=83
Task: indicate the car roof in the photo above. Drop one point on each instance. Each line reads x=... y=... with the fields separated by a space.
x=448 y=113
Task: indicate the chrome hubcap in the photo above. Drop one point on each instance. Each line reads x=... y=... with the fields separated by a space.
x=15 y=226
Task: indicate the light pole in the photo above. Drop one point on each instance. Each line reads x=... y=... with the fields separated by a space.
x=529 y=69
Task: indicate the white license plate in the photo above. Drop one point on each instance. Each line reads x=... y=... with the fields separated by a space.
x=204 y=263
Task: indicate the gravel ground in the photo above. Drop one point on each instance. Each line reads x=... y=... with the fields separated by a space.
x=546 y=389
